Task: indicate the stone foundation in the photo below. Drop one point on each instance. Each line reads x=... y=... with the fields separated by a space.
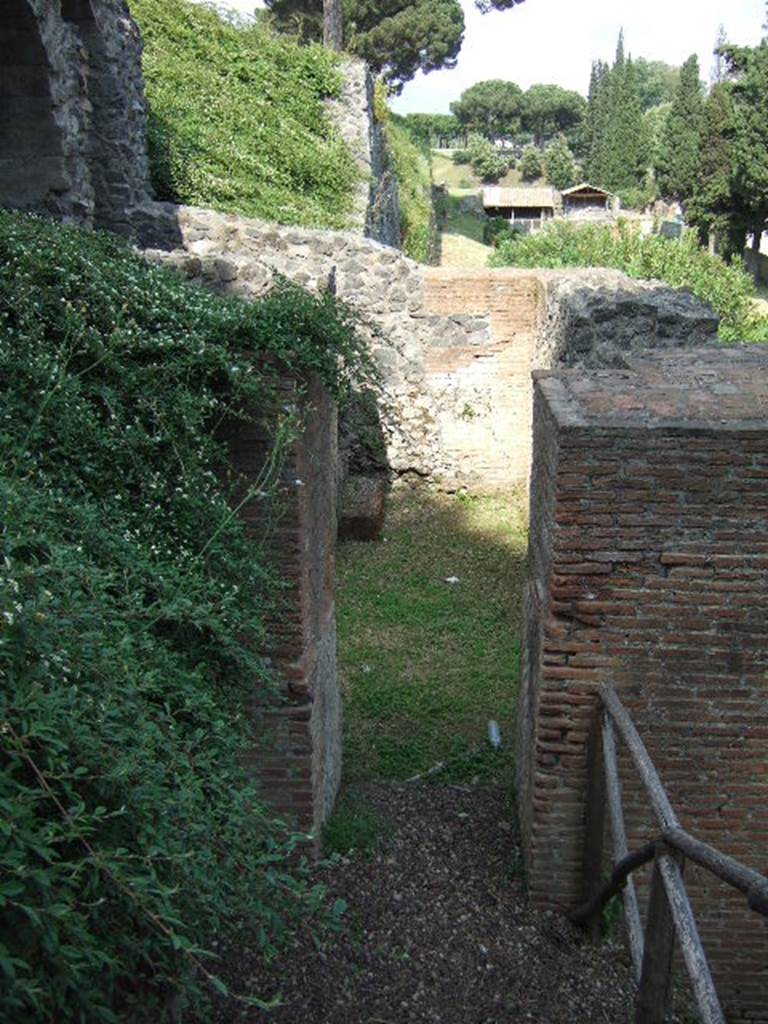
x=649 y=571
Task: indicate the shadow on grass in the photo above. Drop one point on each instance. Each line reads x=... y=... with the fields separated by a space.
x=428 y=622
x=460 y=220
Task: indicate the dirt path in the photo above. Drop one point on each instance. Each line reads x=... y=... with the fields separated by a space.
x=440 y=932
x=461 y=239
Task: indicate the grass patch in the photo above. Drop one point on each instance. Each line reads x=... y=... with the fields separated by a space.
x=352 y=828
x=426 y=663
x=237 y=118
x=461 y=242
x=411 y=163
x=460 y=178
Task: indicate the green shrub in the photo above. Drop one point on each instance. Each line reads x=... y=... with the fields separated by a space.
x=461 y=156
x=637 y=198
x=237 y=118
x=530 y=164
x=132 y=609
x=494 y=229
x=486 y=161
x=681 y=264
x=411 y=164
x=559 y=167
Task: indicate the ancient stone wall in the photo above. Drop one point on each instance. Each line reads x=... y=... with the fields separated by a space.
x=377 y=207
x=72 y=112
x=601 y=318
x=649 y=571
x=296 y=757
x=73 y=120
x=456 y=348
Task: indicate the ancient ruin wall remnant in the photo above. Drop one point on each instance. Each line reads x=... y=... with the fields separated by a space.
x=456 y=347
x=296 y=758
x=72 y=115
x=649 y=571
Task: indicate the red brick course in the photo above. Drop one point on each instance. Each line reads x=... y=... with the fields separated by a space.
x=649 y=571
x=296 y=755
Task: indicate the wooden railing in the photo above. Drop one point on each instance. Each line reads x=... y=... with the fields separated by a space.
x=669 y=915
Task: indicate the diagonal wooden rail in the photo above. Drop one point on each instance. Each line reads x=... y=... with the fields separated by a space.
x=669 y=917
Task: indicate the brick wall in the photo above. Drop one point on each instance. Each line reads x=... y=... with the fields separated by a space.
x=455 y=347
x=297 y=738
x=481 y=380
x=649 y=571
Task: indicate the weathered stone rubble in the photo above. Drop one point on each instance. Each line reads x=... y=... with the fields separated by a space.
x=601 y=318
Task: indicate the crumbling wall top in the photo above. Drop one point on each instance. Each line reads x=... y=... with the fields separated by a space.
x=712 y=389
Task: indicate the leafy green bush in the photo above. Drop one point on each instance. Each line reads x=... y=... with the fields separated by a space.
x=237 y=118
x=494 y=229
x=461 y=156
x=682 y=264
x=637 y=198
x=486 y=161
x=411 y=163
x=559 y=167
x=132 y=608
x=530 y=164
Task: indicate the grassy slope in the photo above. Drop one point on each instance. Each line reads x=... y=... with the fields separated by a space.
x=412 y=168
x=461 y=177
x=461 y=241
x=237 y=118
x=425 y=663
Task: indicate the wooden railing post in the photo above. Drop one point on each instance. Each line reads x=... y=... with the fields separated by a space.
x=594 y=822
x=659 y=945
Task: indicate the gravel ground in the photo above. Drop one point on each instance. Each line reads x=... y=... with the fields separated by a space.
x=438 y=931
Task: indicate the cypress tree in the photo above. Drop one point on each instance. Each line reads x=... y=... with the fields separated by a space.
x=678 y=157
x=634 y=143
x=597 y=109
x=749 y=178
x=710 y=207
x=622 y=150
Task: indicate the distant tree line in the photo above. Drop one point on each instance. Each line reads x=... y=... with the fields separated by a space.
x=727 y=144
x=646 y=129
x=707 y=150
x=556 y=132
x=500 y=109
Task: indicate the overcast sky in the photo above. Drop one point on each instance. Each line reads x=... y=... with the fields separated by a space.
x=556 y=41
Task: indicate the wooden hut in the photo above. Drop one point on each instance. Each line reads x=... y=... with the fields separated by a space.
x=586 y=202
x=527 y=208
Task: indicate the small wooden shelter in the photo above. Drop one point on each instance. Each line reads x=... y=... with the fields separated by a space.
x=586 y=201
x=527 y=207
